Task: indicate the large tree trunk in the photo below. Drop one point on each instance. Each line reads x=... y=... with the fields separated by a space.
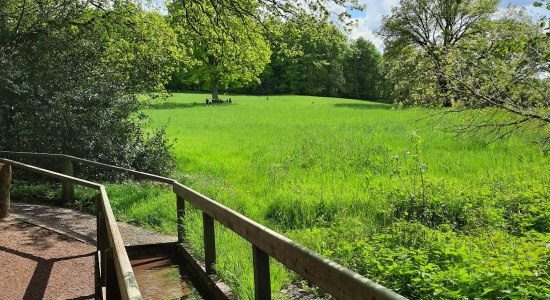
x=5 y=183
x=214 y=85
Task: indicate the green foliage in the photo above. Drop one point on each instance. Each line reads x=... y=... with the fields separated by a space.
x=363 y=71
x=315 y=170
x=419 y=34
x=440 y=264
x=228 y=48
x=504 y=68
x=307 y=59
x=71 y=76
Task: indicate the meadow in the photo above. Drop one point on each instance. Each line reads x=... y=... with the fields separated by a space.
x=387 y=193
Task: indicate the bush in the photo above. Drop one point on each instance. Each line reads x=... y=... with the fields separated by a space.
x=72 y=79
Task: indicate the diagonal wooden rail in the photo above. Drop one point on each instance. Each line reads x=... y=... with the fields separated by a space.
x=331 y=277
x=116 y=275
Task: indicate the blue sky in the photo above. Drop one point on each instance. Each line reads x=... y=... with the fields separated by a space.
x=370 y=19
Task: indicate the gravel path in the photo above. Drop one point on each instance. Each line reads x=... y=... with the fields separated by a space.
x=36 y=263
x=83 y=226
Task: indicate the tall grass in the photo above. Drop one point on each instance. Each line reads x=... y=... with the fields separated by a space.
x=335 y=174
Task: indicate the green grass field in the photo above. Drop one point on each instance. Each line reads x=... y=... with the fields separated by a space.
x=385 y=192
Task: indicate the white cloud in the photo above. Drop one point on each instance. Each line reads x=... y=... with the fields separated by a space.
x=370 y=23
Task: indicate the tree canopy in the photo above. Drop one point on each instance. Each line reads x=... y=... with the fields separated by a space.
x=363 y=71
x=473 y=59
x=433 y=27
x=72 y=75
x=227 y=48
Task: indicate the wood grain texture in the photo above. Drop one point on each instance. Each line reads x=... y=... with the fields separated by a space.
x=126 y=279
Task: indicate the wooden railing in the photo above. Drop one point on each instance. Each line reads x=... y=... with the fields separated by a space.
x=331 y=277
x=116 y=275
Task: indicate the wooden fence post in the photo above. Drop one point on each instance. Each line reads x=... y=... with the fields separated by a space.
x=262 y=280
x=68 y=187
x=5 y=184
x=209 y=243
x=180 y=215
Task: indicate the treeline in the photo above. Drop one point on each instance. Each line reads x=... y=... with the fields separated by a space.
x=308 y=57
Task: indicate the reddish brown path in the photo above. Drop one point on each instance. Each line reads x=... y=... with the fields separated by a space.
x=36 y=263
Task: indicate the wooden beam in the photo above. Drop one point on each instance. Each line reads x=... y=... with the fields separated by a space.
x=74 y=159
x=51 y=174
x=209 y=243
x=124 y=273
x=262 y=279
x=134 y=173
x=68 y=187
x=5 y=184
x=180 y=215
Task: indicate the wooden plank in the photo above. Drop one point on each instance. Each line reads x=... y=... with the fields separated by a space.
x=68 y=187
x=29 y=154
x=262 y=280
x=51 y=174
x=209 y=243
x=5 y=185
x=102 y=240
x=333 y=278
x=126 y=279
x=180 y=215
x=135 y=173
x=111 y=285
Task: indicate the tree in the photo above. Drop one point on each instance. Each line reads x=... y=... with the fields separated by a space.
x=228 y=48
x=307 y=58
x=502 y=76
x=363 y=71
x=72 y=78
x=433 y=28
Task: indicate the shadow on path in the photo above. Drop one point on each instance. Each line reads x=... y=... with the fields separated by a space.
x=38 y=284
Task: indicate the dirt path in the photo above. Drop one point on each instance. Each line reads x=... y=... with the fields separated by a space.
x=83 y=226
x=36 y=263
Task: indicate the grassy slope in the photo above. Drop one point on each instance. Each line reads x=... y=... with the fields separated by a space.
x=295 y=163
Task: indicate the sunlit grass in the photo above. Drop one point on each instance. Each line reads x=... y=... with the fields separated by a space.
x=296 y=163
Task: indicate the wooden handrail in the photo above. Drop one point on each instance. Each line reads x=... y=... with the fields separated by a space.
x=126 y=279
x=331 y=277
x=127 y=287
x=135 y=173
x=51 y=174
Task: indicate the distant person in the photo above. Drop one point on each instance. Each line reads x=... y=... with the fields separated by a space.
x=230 y=101
x=207 y=102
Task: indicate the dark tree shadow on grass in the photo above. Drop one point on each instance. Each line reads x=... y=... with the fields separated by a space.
x=174 y=105
x=364 y=105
